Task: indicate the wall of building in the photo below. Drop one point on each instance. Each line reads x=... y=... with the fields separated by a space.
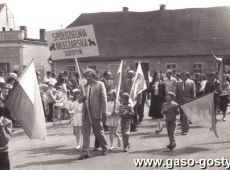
x=183 y=64
x=10 y=57
x=40 y=53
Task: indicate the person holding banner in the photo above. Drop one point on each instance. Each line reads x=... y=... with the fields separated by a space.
x=94 y=109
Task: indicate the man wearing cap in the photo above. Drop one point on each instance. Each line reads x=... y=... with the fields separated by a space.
x=94 y=109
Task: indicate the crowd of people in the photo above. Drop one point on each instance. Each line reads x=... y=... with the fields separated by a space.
x=97 y=105
x=64 y=99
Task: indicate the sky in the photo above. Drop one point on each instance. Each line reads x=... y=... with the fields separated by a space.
x=57 y=14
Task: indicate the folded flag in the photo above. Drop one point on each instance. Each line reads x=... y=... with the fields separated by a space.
x=201 y=111
x=139 y=83
x=25 y=104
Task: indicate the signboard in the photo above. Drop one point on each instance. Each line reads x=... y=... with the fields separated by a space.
x=72 y=42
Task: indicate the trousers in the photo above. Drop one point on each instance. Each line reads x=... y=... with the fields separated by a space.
x=97 y=130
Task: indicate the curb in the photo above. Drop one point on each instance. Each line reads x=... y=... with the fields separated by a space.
x=20 y=131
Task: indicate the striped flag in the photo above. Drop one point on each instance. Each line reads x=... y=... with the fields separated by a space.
x=25 y=104
x=201 y=111
x=139 y=83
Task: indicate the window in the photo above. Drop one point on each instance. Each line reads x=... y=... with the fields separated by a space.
x=92 y=67
x=171 y=66
x=197 y=67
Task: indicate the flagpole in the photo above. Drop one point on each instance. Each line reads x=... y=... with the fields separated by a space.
x=83 y=90
x=119 y=86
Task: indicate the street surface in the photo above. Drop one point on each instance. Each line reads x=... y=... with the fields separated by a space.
x=58 y=151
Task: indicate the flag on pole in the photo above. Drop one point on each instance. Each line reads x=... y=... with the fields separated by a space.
x=117 y=82
x=201 y=111
x=25 y=104
x=220 y=68
x=81 y=82
x=139 y=83
x=150 y=77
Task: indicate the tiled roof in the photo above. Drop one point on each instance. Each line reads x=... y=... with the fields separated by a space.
x=197 y=31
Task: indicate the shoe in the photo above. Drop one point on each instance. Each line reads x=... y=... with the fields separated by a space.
x=183 y=133
x=105 y=152
x=78 y=147
x=96 y=149
x=83 y=156
x=133 y=130
x=224 y=118
x=111 y=148
x=119 y=142
x=179 y=124
x=171 y=146
x=125 y=150
x=159 y=130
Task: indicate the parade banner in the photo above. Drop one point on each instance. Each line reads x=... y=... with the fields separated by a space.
x=139 y=83
x=25 y=104
x=201 y=111
x=72 y=42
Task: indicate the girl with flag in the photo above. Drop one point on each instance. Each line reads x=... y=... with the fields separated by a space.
x=113 y=118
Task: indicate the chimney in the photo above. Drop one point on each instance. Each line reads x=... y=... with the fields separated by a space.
x=24 y=28
x=42 y=34
x=162 y=7
x=125 y=9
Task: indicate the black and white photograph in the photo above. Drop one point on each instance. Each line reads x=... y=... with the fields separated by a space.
x=114 y=84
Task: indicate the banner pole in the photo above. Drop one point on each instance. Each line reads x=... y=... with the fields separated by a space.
x=83 y=90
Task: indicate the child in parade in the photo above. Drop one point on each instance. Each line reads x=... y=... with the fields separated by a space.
x=113 y=118
x=50 y=101
x=126 y=111
x=5 y=132
x=59 y=103
x=170 y=110
x=76 y=111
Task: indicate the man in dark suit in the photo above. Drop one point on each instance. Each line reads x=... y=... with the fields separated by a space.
x=94 y=109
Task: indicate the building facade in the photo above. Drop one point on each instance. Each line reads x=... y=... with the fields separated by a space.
x=16 y=51
x=181 y=40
